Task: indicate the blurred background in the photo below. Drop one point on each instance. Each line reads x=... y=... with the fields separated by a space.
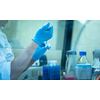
x=20 y=33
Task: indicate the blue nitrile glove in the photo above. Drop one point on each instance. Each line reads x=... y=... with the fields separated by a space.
x=44 y=44
x=43 y=35
x=40 y=52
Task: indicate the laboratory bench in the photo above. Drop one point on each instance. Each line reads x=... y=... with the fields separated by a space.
x=31 y=73
x=34 y=73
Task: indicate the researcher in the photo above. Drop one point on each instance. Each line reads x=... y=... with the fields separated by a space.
x=10 y=68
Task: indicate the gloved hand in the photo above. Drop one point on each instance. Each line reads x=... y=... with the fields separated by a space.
x=43 y=35
x=40 y=51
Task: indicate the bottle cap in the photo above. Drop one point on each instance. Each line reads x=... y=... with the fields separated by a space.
x=82 y=53
x=96 y=53
x=70 y=52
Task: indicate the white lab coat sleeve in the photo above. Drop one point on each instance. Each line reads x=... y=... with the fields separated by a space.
x=5 y=68
x=6 y=57
x=7 y=51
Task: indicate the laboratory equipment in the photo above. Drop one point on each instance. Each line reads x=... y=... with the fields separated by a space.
x=96 y=64
x=75 y=44
x=96 y=73
x=69 y=76
x=83 y=68
x=52 y=71
x=69 y=61
x=82 y=59
x=52 y=63
x=96 y=57
x=43 y=60
x=46 y=75
x=97 y=70
x=55 y=72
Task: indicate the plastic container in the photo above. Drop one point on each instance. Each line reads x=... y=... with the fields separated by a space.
x=69 y=77
x=52 y=71
x=97 y=71
x=83 y=68
x=96 y=57
x=55 y=72
x=46 y=73
x=82 y=59
x=69 y=61
x=95 y=64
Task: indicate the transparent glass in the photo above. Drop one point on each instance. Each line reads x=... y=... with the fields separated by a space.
x=69 y=64
x=82 y=60
x=96 y=71
x=95 y=63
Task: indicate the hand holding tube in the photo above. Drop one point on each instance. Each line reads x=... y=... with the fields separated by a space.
x=43 y=34
x=40 y=51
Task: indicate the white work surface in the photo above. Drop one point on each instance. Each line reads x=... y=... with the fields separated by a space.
x=31 y=73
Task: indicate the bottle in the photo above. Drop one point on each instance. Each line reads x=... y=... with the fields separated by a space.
x=82 y=59
x=95 y=63
x=97 y=71
x=83 y=68
x=69 y=61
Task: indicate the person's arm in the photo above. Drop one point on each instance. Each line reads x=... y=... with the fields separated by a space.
x=40 y=51
x=19 y=64
x=30 y=63
x=22 y=62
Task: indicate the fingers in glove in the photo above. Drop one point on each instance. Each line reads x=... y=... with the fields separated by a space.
x=48 y=47
x=50 y=32
x=43 y=44
x=46 y=26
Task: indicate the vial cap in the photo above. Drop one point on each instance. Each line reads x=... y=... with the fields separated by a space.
x=82 y=53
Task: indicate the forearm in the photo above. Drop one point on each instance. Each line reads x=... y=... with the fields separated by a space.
x=30 y=63
x=19 y=64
